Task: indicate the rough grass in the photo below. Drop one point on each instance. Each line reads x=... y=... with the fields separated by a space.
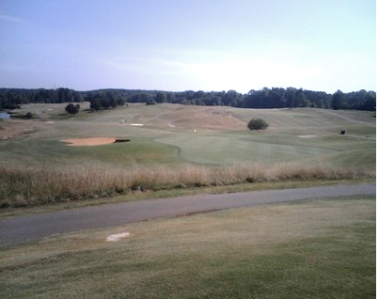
x=36 y=186
x=314 y=249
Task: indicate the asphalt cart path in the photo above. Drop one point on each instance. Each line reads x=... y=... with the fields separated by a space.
x=34 y=227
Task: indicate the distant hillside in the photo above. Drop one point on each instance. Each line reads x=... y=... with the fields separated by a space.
x=11 y=98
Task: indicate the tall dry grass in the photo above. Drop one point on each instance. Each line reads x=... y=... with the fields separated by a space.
x=20 y=186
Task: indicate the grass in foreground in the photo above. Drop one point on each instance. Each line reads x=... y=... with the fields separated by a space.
x=313 y=249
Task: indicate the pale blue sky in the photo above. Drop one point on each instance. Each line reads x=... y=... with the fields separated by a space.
x=188 y=44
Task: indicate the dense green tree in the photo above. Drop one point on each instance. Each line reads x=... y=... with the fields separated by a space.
x=171 y=97
x=121 y=101
x=77 y=97
x=257 y=124
x=64 y=95
x=12 y=98
x=150 y=102
x=160 y=97
x=302 y=100
x=72 y=109
x=95 y=104
x=139 y=98
x=338 y=100
x=230 y=98
x=370 y=102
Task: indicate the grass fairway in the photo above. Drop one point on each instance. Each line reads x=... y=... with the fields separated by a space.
x=176 y=134
x=312 y=249
x=175 y=146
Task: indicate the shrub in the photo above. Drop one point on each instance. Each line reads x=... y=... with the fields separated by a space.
x=72 y=109
x=257 y=124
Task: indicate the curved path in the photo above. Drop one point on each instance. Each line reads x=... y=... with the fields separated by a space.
x=34 y=227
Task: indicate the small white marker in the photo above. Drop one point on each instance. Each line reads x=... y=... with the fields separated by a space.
x=117 y=237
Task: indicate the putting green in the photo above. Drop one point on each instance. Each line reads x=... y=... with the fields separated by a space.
x=229 y=148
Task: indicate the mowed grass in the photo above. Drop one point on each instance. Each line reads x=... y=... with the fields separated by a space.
x=173 y=139
x=231 y=148
x=311 y=249
x=177 y=134
x=314 y=249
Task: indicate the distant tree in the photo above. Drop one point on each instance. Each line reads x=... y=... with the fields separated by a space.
x=230 y=98
x=338 y=100
x=257 y=124
x=302 y=100
x=105 y=103
x=290 y=96
x=95 y=104
x=64 y=95
x=139 y=98
x=72 y=109
x=160 y=97
x=277 y=97
x=370 y=101
x=77 y=97
x=213 y=99
x=46 y=96
x=121 y=101
x=11 y=98
x=113 y=103
x=171 y=98
x=150 y=102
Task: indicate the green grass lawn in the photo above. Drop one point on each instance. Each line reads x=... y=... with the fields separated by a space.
x=184 y=145
x=231 y=148
x=176 y=134
x=311 y=249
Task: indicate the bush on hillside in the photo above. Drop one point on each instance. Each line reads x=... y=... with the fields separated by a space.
x=72 y=109
x=257 y=124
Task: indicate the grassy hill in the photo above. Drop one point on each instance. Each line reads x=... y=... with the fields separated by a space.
x=205 y=135
x=173 y=136
x=317 y=249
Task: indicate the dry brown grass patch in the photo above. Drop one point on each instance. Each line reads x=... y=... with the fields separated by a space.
x=13 y=128
x=21 y=187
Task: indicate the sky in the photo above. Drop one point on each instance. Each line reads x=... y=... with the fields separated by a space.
x=177 y=45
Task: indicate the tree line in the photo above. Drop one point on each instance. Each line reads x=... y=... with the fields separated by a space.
x=264 y=98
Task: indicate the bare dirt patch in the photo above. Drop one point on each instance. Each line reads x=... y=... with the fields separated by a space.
x=93 y=141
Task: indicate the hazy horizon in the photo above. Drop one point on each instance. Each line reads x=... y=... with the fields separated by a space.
x=168 y=45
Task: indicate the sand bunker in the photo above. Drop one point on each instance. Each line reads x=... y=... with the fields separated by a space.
x=89 y=141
